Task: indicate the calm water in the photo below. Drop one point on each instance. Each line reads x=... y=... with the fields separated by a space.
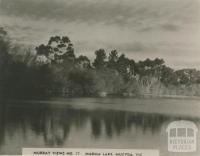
x=65 y=125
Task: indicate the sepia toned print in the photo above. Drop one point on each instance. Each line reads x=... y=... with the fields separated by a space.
x=110 y=74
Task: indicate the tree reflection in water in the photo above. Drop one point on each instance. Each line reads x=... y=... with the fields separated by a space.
x=54 y=123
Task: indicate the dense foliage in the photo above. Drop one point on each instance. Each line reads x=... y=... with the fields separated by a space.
x=55 y=70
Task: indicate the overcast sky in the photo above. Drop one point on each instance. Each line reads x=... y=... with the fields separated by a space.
x=168 y=29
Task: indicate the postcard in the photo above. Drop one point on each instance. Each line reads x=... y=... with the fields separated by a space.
x=100 y=77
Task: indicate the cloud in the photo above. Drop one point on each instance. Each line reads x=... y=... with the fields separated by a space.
x=170 y=27
x=138 y=13
x=133 y=47
x=134 y=27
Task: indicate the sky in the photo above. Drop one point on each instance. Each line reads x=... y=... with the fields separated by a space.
x=168 y=29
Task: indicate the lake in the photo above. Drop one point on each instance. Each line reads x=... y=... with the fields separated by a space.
x=94 y=123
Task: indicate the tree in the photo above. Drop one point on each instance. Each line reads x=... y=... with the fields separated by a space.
x=132 y=68
x=168 y=76
x=99 y=61
x=4 y=49
x=83 y=62
x=5 y=61
x=123 y=67
x=158 y=62
x=183 y=77
x=58 y=50
x=112 y=59
x=108 y=80
x=149 y=67
x=81 y=83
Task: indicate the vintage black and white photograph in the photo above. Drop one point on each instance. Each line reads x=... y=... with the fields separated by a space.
x=100 y=74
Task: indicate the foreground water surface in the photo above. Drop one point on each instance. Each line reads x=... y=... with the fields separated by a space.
x=93 y=123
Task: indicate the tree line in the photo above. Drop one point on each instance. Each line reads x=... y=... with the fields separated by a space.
x=55 y=70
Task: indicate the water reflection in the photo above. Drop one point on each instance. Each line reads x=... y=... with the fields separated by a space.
x=54 y=124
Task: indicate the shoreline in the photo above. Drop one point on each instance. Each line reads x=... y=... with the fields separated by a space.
x=172 y=107
x=141 y=96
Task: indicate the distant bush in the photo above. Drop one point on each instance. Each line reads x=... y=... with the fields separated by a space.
x=55 y=70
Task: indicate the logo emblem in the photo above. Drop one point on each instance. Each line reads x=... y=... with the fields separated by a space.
x=182 y=136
